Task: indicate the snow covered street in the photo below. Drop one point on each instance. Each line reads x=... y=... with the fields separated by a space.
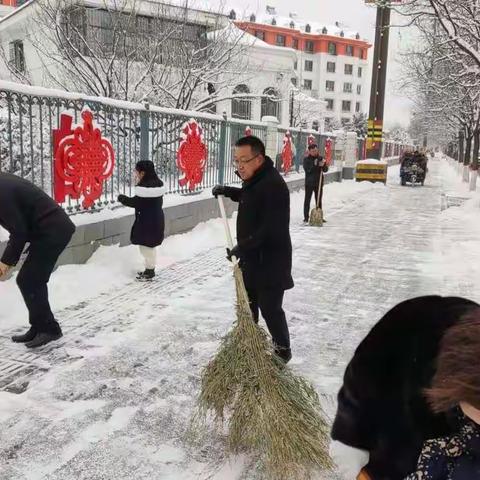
x=113 y=400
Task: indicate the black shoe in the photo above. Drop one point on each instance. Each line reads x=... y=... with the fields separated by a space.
x=148 y=274
x=285 y=354
x=43 y=338
x=26 y=337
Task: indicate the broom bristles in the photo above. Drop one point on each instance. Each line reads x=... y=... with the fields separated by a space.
x=270 y=412
x=316 y=217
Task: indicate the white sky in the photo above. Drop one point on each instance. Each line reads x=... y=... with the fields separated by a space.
x=356 y=16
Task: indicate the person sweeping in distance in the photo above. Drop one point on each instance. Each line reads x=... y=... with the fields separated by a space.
x=264 y=246
x=148 y=228
x=314 y=166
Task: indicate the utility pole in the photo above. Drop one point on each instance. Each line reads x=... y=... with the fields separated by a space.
x=379 y=81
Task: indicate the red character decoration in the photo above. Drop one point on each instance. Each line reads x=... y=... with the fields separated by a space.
x=328 y=151
x=311 y=140
x=287 y=152
x=248 y=132
x=83 y=160
x=192 y=155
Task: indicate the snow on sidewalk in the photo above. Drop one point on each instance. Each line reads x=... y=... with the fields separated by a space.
x=115 y=399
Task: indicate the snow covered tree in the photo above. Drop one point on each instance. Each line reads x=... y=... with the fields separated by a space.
x=129 y=50
x=305 y=110
x=332 y=125
x=358 y=124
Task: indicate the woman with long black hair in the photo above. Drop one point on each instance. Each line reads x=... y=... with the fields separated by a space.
x=149 y=226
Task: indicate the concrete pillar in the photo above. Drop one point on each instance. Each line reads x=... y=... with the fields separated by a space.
x=350 y=156
x=272 y=136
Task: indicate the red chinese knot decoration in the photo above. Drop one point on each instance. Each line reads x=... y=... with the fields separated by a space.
x=287 y=152
x=328 y=151
x=248 y=132
x=311 y=140
x=192 y=155
x=83 y=160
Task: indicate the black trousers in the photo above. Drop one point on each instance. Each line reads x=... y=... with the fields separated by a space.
x=309 y=191
x=33 y=278
x=269 y=302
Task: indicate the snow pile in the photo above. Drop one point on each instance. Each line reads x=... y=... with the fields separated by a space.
x=372 y=161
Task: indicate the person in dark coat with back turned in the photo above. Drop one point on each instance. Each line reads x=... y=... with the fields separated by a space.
x=456 y=388
x=149 y=226
x=264 y=247
x=383 y=417
x=31 y=216
x=313 y=164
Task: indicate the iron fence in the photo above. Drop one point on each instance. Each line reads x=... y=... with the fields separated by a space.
x=29 y=116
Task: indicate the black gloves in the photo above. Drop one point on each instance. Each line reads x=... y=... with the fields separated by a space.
x=234 y=252
x=121 y=198
x=218 y=190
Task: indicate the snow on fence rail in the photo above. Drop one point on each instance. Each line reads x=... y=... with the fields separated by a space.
x=28 y=116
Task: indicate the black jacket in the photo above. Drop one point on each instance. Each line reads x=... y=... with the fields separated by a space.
x=312 y=171
x=263 y=229
x=381 y=406
x=29 y=215
x=149 y=226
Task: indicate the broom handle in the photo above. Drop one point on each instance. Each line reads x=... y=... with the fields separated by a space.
x=320 y=188
x=228 y=233
x=223 y=213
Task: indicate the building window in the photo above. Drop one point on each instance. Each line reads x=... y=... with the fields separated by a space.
x=359 y=89
x=281 y=40
x=271 y=103
x=362 y=54
x=17 y=56
x=331 y=67
x=259 y=34
x=309 y=46
x=347 y=88
x=308 y=28
x=294 y=81
x=241 y=107
x=330 y=86
x=307 y=84
x=295 y=65
x=360 y=72
x=332 y=48
x=308 y=66
x=330 y=103
x=346 y=106
x=295 y=43
x=357 y=107
x=349 y=51
x=348 y=69
x=345 y=121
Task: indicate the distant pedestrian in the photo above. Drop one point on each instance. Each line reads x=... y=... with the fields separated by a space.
x=314 y=165
x=149 y=226
x=31 y=216
x=456 y=385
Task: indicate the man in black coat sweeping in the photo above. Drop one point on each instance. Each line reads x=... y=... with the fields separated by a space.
x=263 y=235
x=314 y=165
x=383 y=415
x=31 y=216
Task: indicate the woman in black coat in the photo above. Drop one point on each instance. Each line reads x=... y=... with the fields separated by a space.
x=456 y=384
x=383 y=417
x=149 y=226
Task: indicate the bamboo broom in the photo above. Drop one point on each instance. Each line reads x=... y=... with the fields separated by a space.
x=270 y=413
x=316 y=215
